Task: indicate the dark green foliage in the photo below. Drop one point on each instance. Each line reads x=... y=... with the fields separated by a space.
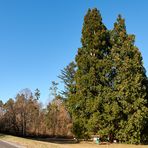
x=110 y=83
x=37 y=94
x=90 y=77
x=129 y=84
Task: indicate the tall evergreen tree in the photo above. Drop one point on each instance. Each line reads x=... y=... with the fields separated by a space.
x=91 y=76
x=129 y=84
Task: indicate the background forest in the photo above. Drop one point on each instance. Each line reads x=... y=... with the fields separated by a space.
x=106 y=91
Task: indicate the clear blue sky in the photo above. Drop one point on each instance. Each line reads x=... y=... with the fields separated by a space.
x=40 y=37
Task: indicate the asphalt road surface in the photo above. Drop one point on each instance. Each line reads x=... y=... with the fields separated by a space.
x=7 y=145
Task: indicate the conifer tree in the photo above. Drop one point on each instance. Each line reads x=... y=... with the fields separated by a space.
x=67 y=77
x=129 y=86
x=91 y=76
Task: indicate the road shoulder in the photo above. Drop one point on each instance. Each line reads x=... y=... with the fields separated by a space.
x=13 y=144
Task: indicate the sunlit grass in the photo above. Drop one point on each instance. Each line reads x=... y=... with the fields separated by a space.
x=28 y=143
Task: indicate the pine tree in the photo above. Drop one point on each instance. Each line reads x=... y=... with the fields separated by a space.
x=67 y=76
x=91 y=76
x=129 y=86
x=37 y=94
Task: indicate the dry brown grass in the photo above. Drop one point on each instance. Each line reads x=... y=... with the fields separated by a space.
x=28 y=143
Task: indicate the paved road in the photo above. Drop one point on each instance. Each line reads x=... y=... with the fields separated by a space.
x=6 y=145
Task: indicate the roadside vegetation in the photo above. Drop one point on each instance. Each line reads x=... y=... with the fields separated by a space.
x=29 y=143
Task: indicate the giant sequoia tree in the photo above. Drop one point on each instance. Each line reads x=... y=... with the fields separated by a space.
x=91 y=76
x=129 y=85
x=110 y=83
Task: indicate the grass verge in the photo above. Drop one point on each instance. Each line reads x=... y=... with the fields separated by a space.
x=28 y=143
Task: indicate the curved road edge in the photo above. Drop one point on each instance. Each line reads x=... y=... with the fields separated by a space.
x=14 y=145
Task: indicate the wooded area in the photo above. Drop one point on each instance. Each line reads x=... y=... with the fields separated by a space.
x=106 y=91
x=25 y=116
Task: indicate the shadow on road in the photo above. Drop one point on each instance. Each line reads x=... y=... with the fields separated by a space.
x=55 y=140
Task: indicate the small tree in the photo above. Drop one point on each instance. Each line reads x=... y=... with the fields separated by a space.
x=53 y=89
x=37 y=94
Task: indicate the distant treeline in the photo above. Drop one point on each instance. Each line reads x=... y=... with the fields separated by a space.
x=106 y=91
x=25 y=116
